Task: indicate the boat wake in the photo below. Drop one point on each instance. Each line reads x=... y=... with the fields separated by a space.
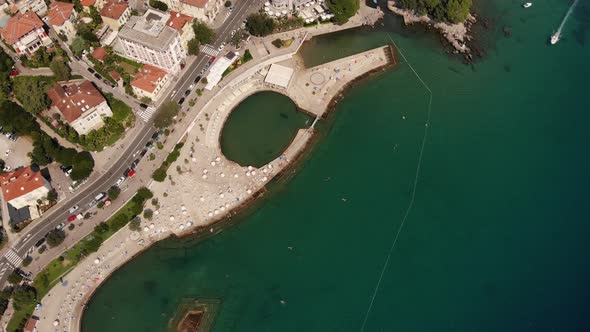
x=557 y=35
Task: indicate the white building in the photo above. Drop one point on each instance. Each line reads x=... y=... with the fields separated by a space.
x=203 y=10
x=115 y=13
x=80 y=104
x=62 y=17
x=219 y=67
x=147 y=39
x=184 y=25
x=23 y=188
x=149 y=82
x=22 y=6
x=25 y=33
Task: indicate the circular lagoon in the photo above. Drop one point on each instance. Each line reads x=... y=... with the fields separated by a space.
x=261 y=128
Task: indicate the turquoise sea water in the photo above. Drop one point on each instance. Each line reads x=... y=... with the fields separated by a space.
x=255 y=135
x=497 y=239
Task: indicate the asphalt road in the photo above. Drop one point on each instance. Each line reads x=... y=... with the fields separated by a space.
x=60 y=212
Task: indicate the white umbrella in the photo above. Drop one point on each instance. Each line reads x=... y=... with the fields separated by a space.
x=266 y=9
x=96 y=261
x=56 y=322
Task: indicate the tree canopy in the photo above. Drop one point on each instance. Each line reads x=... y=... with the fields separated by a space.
x=343 y=9
x=193 y=47
x=260 y=24
x=453 y=11
x=30 y=91
x=60 y=69
x=203 y=33
x=55 y=237
x=159 y=5
x=166 y=113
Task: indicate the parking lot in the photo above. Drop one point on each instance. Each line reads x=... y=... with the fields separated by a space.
x=14 y=154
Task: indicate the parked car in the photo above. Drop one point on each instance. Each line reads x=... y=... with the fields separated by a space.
x=91 y=70
x=181 y=101
x=13 y=73
x=134 y=163
x=121 y=180
x=97 y=75
x=74 y=208
x=60 y=226
x=72 y=217
x=187 y=92
x=143 y=152
x=131 y=173
x=198 y=79
x=126 y=172
x=100 y=196
x=142 y=105
x=69 y=171
x=155 y=135
x=40 y=242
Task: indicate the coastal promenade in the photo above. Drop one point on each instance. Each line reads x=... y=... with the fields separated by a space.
x=204 y=187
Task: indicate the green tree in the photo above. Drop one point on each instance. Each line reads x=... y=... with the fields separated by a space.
x=101 y=228
x=343 y=9
x=203 y=33
x=14 y=278
x=95 y=15
x=59 y=68
x=30 y=92
x=193 y=47
x=78 y=46
x=52 y=196
x=82 y=166
x=145 y=193
x=55 y=237
x=166 y=113
x=23 y=296
x=135 y=225
x=148 y=214
x=114 y=192
x=15 y=118
x=159 y=174
x=159 y=5
x=227 y=4
x=146 y=100
x=260 y=24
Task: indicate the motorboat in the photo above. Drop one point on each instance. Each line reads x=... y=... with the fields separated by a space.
x=555 y=38
x=527 y=5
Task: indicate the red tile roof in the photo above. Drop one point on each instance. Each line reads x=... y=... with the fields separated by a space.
x=114 y=9
x=147 y=78
x=99 y=53
x=20 y=182
x=59 y=12
x=178 y=20
x=72 y=98
x=115 y=75
x=196 y=3
x=87 y=3
x=19 y=25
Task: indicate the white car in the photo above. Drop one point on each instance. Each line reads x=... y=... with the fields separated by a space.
x=121 y=179
x=60 y=226
x=74 y=208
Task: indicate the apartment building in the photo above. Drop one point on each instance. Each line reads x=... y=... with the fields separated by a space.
x=80 y=104
x=62 y=17
x=22 y=6
x=25 y=33
x=148 y=39
x=115 y=13
x=184 y=25
x=149 y=82
x=22 y=188
x=203 y=10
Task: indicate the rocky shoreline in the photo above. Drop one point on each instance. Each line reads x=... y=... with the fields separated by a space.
x=457 y=35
